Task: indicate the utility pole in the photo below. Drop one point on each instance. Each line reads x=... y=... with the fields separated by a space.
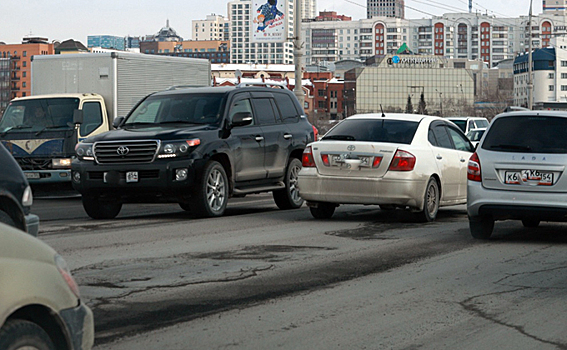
x=297 y=54
x=530 y=82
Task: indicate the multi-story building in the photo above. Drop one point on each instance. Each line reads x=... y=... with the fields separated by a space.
x=245 y=50
x=5 y=82
x=385 y=8
x=21 y=55
x=164 y=34
x=214 y=27
x=216 y=51
x=107 y=42
x=555 y=7
x=308 y=9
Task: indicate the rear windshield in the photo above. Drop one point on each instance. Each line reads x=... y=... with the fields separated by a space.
x=462 y=124
x=527 y=134
x=373 y=130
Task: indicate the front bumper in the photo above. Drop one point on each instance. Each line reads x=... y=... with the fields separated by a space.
x=402 y=190
x=47 y=176
x=156 y=181
x=32 y=224
x=502 y=205
x=80 y=325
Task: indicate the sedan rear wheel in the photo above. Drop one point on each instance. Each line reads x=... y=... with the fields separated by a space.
x=530 y=222
x=323 y=210
x=430 y=202
x=481 y=227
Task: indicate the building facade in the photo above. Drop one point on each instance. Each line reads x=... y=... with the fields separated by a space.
x=214 y=27
x=242 y=50
x=216 y=51
x=21 y=56
x=5 y=82
x=385 y=8
x=106 y=42
x=308 y=9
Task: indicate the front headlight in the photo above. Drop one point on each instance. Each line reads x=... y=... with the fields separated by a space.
x=84 y=151
x=66 y=274
x=63 y=163
x=177 y=148
x=27 y=198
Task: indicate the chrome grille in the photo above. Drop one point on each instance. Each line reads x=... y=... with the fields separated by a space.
x=126 y=152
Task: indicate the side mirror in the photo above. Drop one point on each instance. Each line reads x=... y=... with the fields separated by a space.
x=117 y=121
x=242 y=119
x=78 y=116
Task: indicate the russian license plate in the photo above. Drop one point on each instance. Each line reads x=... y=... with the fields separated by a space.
x=131 y=176
x=32 y=175
x=529 y=176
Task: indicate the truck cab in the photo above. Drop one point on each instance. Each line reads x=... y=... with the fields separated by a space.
x=41 y=132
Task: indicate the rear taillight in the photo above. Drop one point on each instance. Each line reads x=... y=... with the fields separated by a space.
x=403 y=161
x=315 y=133
x=325 y=159
x=473 y=169
x=376 y=162
x=307 y=158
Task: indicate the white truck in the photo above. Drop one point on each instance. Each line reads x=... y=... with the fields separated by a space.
x=79 y=95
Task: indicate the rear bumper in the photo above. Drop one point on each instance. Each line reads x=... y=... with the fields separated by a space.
x=516 y=205
x=362 y=190
x=80 y=324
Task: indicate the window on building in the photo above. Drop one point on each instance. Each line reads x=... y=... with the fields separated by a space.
x=551 y=87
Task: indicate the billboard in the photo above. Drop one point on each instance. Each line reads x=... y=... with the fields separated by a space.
x=269 y=21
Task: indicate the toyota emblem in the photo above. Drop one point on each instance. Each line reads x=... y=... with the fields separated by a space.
x=351 y=148
x=122 y=150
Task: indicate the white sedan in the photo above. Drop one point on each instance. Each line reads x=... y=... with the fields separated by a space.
x=408 y=161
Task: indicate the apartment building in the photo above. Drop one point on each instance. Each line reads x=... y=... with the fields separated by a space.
x=216 y=51
x=106 y=42
x=20 y=56
x=385 y=8
x=214 y=27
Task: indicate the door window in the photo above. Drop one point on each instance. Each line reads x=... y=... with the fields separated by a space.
x=264 y=111
x=442 y=137
x=92 y=117
x=287 y=108
x=459 y=141
x=241 y=106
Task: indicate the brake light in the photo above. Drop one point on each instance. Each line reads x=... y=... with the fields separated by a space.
x=307 y=158
x=473 y=169
x=376 y=162
x=403 y=161
x=325 y=159
x=315 y=133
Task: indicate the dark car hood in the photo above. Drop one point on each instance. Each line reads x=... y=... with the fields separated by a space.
x=169 y=132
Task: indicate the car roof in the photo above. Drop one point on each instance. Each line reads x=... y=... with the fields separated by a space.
x=477 y=129
x=465 y=118
x=216 y=90
x=534 y=113
x=396 y=116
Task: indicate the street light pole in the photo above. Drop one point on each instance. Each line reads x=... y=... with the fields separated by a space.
x=297 y=54
x=530 y=82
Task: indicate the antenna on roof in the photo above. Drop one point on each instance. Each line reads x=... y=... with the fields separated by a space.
x=383 y=115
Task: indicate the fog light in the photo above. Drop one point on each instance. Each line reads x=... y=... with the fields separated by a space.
x=181 y=174
x=76 y=176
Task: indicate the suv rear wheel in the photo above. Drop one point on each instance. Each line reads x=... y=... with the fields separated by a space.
x=323 y=210
x=481 y=227
x=211 y=192
x=101 y=209
x=289 y=198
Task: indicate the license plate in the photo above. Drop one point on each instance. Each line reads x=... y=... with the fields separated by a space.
x=131 y=176
x=529 y=176
x=32 y=175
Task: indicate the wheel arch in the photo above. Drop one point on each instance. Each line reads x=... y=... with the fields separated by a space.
x=224 y=160
x=47 y=320
x=11 y=207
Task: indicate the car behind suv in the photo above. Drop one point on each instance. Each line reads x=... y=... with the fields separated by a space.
x=466 y=124
x=196 y=147
x=518 y=171
x=15 y=196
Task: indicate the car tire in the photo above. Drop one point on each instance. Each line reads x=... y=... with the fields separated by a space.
x=481 y=227
x=289 y=198
x=20 y=334
x=185 y=206
x=101 y=209
x=6 y=219
x=323 y=210
x=531 y=223
x=211 y=192
x=430 y=202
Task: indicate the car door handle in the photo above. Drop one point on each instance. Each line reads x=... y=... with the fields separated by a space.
x=439 y=157
x=463 y=160
x=287 y=136
x=259 y=138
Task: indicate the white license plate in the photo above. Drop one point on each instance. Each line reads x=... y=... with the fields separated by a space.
x=32 y=175
x=529 y=176
x=131 y=176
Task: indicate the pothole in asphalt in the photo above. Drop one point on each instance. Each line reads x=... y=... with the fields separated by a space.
x=374 y=231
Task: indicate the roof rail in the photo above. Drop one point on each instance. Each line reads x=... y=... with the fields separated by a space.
x=175 y=87
x=275 y=85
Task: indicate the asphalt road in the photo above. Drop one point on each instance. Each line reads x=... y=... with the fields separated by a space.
x=261 y=278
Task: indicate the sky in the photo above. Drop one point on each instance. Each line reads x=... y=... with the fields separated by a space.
x=76 y=19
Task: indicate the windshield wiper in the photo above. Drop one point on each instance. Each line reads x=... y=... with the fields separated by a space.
x=17 y=127
x=51 y=127
x=177 y=122
x=339 y=137
x=511 y=147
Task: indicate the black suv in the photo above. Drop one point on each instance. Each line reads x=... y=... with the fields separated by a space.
x=196 y=147
x=15 y=196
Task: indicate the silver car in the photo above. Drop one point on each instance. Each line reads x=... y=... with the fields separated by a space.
x=517 y=171
x=393 y=160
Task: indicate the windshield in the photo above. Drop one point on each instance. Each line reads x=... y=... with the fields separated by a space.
x=181 y=109
x=373 y=130
x=527 y=134
x=462 y=124
x=39 y=114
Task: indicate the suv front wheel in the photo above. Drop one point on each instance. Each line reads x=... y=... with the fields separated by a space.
x=289 y=198
x=211 y=193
